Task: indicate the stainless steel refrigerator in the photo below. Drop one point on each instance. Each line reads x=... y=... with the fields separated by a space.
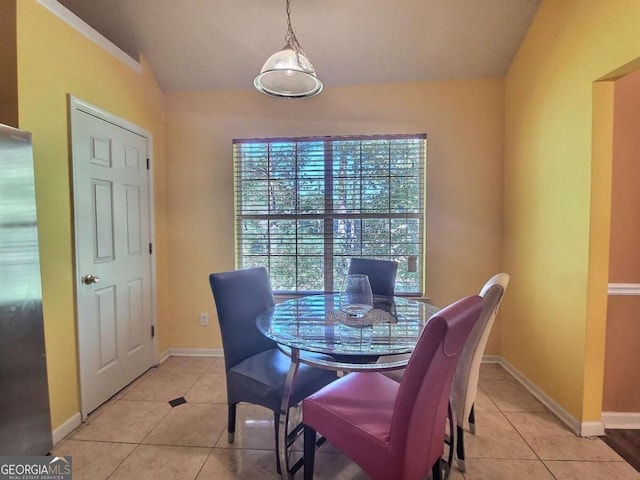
x=25 y=422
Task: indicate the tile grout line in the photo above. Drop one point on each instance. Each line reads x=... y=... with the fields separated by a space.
x=121 y=462
x=531 y=447
x=156 y=424
x=204 y=463
x=518 y=431
x=528 y=444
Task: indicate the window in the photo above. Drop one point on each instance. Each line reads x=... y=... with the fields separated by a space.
x=305 y=206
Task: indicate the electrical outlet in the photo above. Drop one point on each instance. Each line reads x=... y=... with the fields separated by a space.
x=204 y=319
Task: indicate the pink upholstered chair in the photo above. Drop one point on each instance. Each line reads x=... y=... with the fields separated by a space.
x=394 y=430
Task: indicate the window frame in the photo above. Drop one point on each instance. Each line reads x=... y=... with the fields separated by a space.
x=328 y=216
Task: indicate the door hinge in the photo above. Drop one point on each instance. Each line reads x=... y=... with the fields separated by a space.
x=148 y=164
x=150 y=248
x=153 y=331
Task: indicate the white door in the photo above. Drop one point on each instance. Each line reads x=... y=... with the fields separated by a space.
x=113 y=255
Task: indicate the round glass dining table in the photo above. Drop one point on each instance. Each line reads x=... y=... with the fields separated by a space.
x=316 y=324
x=307 y=326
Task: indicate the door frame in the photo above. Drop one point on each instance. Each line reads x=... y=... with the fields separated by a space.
x=76 y=106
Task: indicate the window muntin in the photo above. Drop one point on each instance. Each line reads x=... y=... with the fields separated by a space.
x=305 y=206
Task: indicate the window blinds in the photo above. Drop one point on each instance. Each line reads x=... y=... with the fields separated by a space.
x=305 y=206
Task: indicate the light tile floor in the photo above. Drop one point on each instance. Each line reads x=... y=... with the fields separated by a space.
x=137 y=435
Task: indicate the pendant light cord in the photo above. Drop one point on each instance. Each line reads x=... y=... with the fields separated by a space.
x=292 y=40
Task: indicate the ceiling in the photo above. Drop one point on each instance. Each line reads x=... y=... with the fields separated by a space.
x=222 y=44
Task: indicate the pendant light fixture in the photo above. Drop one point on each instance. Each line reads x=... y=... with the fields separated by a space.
x=288 y=73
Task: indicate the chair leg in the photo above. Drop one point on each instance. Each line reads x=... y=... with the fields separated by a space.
x=231 y=430
x=450 y=440
x=436 y=470
x=460 y=448
x=472 y=420
x=309 y=452
x=276 y=422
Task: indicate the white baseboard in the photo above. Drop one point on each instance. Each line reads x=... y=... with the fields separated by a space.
x=592 y=429
x=163 y=356
x=630 y=420
x=491 y=359
x=195 y=352
x=583 y=429
x=66 y=428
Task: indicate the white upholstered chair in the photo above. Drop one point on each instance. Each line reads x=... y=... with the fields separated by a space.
x=465 y=382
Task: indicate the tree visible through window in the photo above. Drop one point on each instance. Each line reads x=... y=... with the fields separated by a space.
x=305 y=206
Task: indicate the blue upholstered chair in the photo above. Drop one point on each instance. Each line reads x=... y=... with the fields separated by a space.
x=382 y=278
x=381 y=273
x=255 y=369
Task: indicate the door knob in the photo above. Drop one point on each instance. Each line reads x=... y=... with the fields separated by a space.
x=89 y=279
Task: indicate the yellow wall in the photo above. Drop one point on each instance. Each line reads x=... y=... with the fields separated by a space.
x=55 y=60
x=553 y=232
x=463 y=121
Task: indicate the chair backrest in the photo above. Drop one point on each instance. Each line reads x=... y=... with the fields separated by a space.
x=420 y=410
x=465 y=383
x=381 y=273
x=240 y=295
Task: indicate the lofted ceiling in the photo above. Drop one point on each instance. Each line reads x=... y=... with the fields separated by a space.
x=222 y=44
